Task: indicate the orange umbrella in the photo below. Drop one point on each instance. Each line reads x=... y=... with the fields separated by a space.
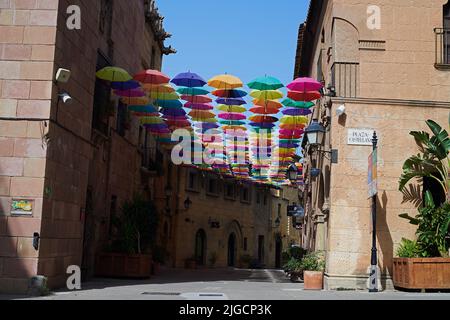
x=267 y=103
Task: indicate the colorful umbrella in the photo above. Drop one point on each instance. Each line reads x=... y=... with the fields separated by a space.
x=188 y=79
x=232 y=116
x=225 y=82
x=305 y=84
x=137 y=101
x=131 y=84
x=225 y=108
x=192 y=91
x=304 y=96
x=163 y=88
x=176 y=104
x=267 y=103
x=113 y=74
x=297 y=112
x=152 y=77
x=229 y=93
x=130 y=93
x=196 y=99
x=297 y=104
x=266 y=94
x=263 y=119
x=266 y=83
x=164 y=96
x=142 y=109
x=264 y=110
x=231 y=101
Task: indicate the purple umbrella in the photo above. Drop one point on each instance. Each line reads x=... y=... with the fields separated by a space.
x=131 y=93
x=206 y=126
x=231 y=101
x=199 y=106
x=263 y=125
x=188 y=79
x=173 y=112
x=297 y=112
x=289 y=145
x=132 y=84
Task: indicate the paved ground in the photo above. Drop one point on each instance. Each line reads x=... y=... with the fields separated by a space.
x=219 y=284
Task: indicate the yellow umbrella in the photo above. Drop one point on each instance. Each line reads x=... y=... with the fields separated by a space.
x=266 y=94
x=164 y=95
x=225 y=82
x=114 y=74
x=212 y=120
x=136 y=101
x=151 y=120
x=161 y=88
x=237 y=109
x=237 y=128
x=294 y=120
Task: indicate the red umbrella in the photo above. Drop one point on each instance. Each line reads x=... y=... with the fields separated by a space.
x=151 y=77
x=304 y=96
x=196 y=99
x=264 y=110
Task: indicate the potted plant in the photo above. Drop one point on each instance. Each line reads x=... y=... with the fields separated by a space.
x=293 y=268
x=313 y=266
x=411 y=270
x=129 y=255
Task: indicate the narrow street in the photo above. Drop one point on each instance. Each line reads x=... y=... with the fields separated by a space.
x=218 y=284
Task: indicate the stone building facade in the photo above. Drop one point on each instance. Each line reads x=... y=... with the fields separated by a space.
x=388 y=63
x=67 y=167
x=207 y=215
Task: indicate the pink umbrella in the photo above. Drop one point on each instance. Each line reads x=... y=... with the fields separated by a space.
x=132 y=93
x=305 y=84
x=232 y=116
x=199 y=106
x=196 y=99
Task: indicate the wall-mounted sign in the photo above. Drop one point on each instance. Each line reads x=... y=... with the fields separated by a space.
x=22 y=207
x=360 y=137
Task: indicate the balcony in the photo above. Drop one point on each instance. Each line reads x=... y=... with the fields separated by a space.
x=442 y=48
x=345 y=78
x=149 y=165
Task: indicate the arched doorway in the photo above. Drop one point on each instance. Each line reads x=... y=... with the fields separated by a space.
x=200 y=247
x=232 y=250
x=278 y=251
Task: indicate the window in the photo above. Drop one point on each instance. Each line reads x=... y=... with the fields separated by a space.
x=122 y=119
x=245 y=244
x=212 y=187
x=102 y=98
x=245 y=194
x=230 y=191
x=112 y=215
x=192 y=181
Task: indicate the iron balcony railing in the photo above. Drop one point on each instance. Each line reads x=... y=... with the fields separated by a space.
x=149 y=159
x=345 y=78
x=442 y=49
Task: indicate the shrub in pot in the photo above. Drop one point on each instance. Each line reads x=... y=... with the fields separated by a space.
x=294 y=269
x=313 y=266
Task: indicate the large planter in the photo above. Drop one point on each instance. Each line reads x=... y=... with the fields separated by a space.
x=313 y=280
x=422 y=273
x=120 y=265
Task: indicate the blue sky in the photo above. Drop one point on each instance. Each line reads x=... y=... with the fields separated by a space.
x=246 y=38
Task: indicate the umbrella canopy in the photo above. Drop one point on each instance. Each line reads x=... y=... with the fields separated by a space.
x=232 y=116
x=297 y=112
x=264 y=110
x=114 y=74
x=297 y=104
x=129 y=93
x=266 y=94
x=231 y=101
x=232 y=123
x=196 y=99
x=151 y=120
x=267 y=103
x=164 y=95
x=188 y=79
x=225 y=82
x=152 y=77
x=263 y=119
x=143 y=109
x=173 y=112
x=263 y=125
x=127 y=85
x=305 y=84
x=163 y=88
x=234 y=93
x=137 y=101
x=304 y=96
x=199 y=106
x=265 y=83
x=294 y=120
x=168 y=103
x=192 y=91
x=199 y=114
x=226 y=108
x=292 y=126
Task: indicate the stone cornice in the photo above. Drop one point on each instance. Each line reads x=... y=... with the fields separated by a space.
x=397 y=102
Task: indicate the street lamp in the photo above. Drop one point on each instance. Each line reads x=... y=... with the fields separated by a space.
x=315 y=133
x=277 y=222
x=187 y=203
x=293 y=173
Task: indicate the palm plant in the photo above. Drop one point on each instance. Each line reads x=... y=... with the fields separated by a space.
x=434 y=160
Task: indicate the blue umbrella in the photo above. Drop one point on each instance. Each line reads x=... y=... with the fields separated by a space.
x=231 y=101
x=297 y=112
x=143 y=109
x=168 y=103
x=189 y=79
x=128 y=85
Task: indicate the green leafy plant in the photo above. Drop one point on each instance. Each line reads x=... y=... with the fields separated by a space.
x=136 y=227
x=433 y=232
x=314 y=261
x=293 y=265
x=408 y=249
x=434 y=160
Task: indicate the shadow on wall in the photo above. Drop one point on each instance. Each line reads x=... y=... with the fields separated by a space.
x=384 y=236
x=15 y=245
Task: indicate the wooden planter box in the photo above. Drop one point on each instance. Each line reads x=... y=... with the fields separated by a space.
x=422 y=273
x=120 y=265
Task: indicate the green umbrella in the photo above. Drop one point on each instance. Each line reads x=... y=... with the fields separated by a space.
x=193 y=91
x=266 y=83
x=297 y=104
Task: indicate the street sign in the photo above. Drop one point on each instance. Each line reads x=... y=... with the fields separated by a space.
x=373 y=174
x=359 y=137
